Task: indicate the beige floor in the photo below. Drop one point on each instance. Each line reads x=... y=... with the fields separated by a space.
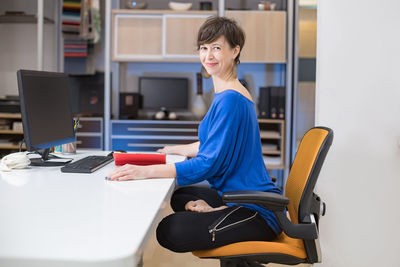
x=157 y=256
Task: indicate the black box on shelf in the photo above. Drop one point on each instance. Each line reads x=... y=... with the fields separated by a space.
x=271 y=102
x=129 y=104
x=9 y=104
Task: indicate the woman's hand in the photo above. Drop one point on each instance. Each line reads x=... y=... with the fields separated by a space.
x=201 y=206
x=128 y=172
x=135 y=172
x=189 y=150
x=168 y=150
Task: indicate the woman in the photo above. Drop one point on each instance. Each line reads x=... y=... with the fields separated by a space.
x=228 y=156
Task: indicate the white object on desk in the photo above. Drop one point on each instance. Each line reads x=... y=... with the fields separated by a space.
x=58 y=219
x=17 y=160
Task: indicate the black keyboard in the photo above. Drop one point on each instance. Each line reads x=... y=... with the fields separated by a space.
x=87 y=164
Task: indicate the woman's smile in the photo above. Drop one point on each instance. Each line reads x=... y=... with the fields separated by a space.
x=209 y=64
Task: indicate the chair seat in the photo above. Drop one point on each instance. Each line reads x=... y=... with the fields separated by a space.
x=283 y=245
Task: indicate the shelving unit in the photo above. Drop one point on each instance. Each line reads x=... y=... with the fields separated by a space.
x=272 y=134
x=15 y=135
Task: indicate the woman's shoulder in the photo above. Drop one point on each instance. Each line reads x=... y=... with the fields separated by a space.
x=231 y=96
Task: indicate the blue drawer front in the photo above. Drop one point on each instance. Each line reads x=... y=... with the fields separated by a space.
x=92 y=142
x=144 y=144
x=189 y=129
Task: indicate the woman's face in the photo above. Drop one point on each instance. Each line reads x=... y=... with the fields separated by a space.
x=218 y=57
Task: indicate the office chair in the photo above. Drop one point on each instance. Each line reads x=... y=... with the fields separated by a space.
x=298 y=243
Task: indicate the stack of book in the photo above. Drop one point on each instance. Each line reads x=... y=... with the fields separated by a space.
x=71 y=17
x=4 y=124
x=75 y=47
x=79 y=20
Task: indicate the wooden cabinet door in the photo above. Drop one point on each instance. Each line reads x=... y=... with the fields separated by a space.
x=136 y=37
x=265 y=35
x=181 y=35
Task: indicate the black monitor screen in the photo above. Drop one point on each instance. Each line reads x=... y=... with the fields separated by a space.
x=170 y=93
x=45 y=109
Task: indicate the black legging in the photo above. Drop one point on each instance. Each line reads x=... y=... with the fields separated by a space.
x=185 y=231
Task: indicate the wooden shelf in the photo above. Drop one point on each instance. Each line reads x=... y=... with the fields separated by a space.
x=10 y=116
x=274 y=167
x=11 y=132
x=272 y=133
x=270 y=121
x=271 y=152
x=11 y=146
x=23 y=18
x=6 y=145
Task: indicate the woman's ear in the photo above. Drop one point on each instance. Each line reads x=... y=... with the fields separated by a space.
x=236 y=51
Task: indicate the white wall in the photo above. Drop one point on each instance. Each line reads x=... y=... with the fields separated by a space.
x=18 y=43
x=18 y=50
x=358 y=95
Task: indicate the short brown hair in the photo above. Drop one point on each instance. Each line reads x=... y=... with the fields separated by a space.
x=215 y=27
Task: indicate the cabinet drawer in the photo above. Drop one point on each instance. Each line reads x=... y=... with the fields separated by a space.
x=148 y=144
x=92 y=142
x=89 y=126
x=155 y=128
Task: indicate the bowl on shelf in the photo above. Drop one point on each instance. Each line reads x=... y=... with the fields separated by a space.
x=132 y=4
x=179 y=6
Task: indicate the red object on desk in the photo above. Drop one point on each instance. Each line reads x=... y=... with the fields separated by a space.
x=139 y=159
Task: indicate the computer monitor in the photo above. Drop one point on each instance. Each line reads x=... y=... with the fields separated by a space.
x=164 y=92
x=46 y=112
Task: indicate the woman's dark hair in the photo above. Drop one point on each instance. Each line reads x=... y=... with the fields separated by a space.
x=215 y=27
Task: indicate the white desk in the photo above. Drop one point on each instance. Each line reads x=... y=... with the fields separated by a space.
x=49 y=218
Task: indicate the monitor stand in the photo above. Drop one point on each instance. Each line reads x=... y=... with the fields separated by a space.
x=48 y=160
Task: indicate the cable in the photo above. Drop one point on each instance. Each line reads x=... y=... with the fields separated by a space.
x=20 y=144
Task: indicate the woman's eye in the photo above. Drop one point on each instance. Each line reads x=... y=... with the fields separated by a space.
x=203 y=48
x=217 y=48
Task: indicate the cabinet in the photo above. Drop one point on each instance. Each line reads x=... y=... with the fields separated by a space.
x=11 y=133
x=90 y=133
x=156 y=35
x=272 y=134
x=181 y=35
x=265 y=35
x=136 y=36
x=150 y=135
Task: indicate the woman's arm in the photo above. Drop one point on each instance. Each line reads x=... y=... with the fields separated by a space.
x=135 y=172
x=189 y=150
